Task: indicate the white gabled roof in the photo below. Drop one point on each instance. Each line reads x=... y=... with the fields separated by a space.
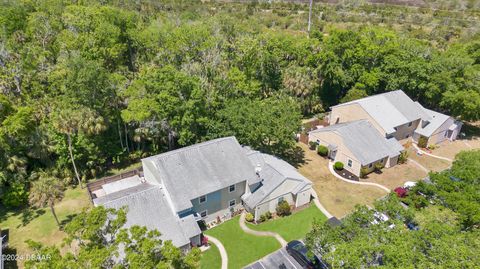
x=391 y=109
x=436 y=120
x=364 y=141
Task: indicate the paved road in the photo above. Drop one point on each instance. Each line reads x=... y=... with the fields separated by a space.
x=279 y=259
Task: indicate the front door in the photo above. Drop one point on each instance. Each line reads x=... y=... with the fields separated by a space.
x=333 y=153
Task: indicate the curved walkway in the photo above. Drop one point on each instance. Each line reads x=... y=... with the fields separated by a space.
x=221 y=249
x=419 y=165
x=330 y=168
x=247 y=230
x=431 y=155
x=320 y=206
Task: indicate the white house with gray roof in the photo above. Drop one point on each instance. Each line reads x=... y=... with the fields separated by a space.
x=278 y=181
x=357 y=144
x=394 y=114
x=202 y=183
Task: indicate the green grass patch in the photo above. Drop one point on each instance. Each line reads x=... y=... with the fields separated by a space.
x=39 y=224
x=242 y=248
x=295 y=226
x=211 y=258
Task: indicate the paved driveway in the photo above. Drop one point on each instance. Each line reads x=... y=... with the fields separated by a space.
x=279 y=259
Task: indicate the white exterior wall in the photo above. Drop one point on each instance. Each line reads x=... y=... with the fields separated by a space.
x=439 y=134
x=392 y=161
x=303 y=198
x=404 y=130
x=343 y=153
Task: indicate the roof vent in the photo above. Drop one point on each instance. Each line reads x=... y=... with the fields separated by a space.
x=258 y=169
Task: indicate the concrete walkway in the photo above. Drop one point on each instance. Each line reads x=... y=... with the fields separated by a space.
x=221 y=249
x=320 y=206
x=431 y=155
x=419 y=165
x=247 y=230
x=330 y=167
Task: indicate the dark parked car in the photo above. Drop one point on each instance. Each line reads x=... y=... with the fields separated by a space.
x=299 y=251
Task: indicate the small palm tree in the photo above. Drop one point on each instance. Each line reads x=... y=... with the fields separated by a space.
x=71 y=121
x=46 y=191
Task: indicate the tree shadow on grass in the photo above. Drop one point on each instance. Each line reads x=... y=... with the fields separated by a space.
x=295 y=156
x=67 y=219
x=30 y=214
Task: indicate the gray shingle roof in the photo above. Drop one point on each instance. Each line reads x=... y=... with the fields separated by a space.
x=364 y=141
x=274 y=172
x=391 y=109
x=436 y=120
x=202 y=168
x=147 y=207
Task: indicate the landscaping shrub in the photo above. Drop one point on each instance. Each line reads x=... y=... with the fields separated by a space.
x=283 y=209
x=312 y=145
x=338 y=166
x=322 y=150
x=249 y=217
x=363 y=172
x=432 y=146
x=422 y=142
x=403 y=157
x=268 y=215
x=378 y=167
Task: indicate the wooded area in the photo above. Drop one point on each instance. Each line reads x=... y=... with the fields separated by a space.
x=88 y=86
x=443 y=215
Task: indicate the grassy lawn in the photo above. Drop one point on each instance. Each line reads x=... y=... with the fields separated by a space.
x=39 y=225
x=396 y=176
x=337 y=196
x=242 y=248
x=295 y=226
x=211 y=258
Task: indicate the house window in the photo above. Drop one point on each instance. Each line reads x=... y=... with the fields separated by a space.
x=232 y=203
x=231 y=188
x=446 y=134
x=280 y=200
x=202 y=199
x=203 y=214
x=349 y=163
x=409 y=124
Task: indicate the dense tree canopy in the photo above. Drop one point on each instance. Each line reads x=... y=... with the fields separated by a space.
x=96 y=239
x=446 y=210
x=87 y=85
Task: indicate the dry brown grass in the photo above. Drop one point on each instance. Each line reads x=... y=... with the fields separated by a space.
x=337 y=196
x=451 y=148
x=396 y=176
x=431 y=163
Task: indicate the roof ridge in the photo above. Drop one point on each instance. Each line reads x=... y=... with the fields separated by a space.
x=191 y=147
x=131 y=194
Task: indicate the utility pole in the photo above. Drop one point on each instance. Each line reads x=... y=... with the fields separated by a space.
x=309 y=17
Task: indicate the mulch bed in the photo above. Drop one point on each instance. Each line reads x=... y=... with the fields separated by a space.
x=347 y=174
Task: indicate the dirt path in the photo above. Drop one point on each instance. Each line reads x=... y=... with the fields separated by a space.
x=247 y=230
x=221 y=249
